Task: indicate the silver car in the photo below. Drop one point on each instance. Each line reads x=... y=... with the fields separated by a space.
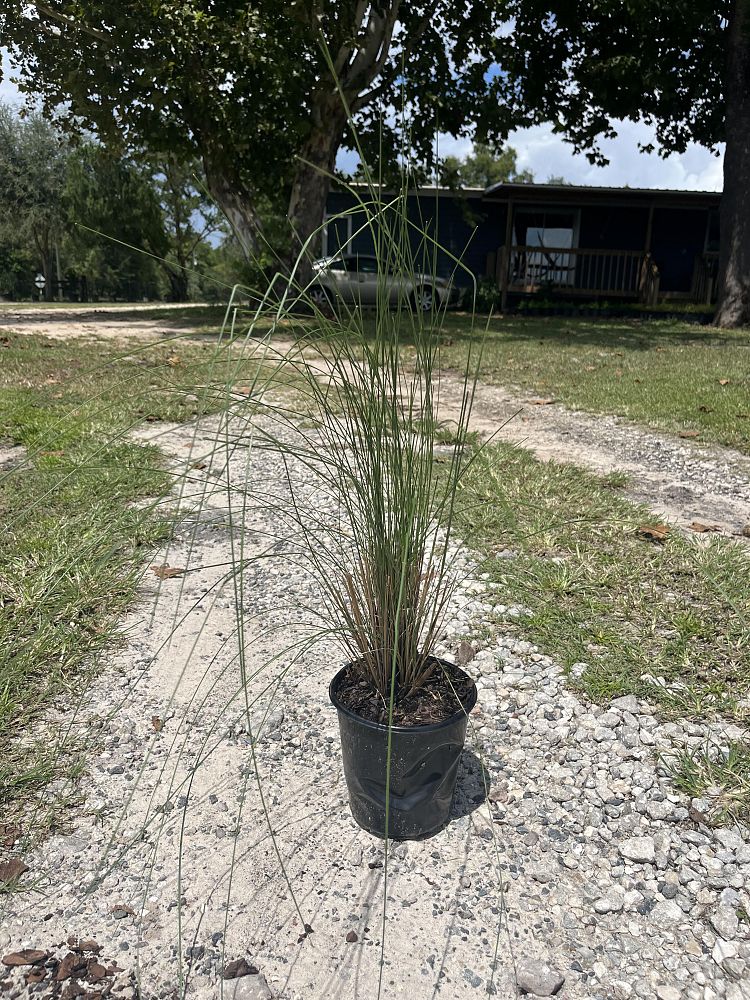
x=357 y=280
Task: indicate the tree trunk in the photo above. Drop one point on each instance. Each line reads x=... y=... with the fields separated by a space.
x=310 y=187
x=178 y=283
x=236 y=202
x=734 y=257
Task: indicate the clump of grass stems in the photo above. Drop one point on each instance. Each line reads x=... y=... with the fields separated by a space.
x=719 y=774
x=382 y=560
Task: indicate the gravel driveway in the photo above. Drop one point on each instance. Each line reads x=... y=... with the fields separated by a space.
x=679 y=479
x=582 y=872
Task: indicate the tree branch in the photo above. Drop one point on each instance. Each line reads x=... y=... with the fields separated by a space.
x=44 y=11
x=344 y=54
x=414 y=37
x=372 y=54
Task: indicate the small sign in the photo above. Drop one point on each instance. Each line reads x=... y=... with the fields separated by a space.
x=40 y=281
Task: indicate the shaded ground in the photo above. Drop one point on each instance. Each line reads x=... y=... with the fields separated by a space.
x=146 y=322
x=680 y=478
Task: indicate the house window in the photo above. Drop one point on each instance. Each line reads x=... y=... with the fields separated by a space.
x=553 y=232
x=337 y=234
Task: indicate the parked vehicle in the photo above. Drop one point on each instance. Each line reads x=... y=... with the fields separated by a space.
x=356 y=279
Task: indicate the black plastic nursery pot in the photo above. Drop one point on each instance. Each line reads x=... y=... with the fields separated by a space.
x=424 y=767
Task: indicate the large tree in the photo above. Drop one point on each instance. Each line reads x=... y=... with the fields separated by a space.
x=261 y=91
x=111 y=205
x=33 y=161
x=188 y=215
x=681 y=65
x=482 y=167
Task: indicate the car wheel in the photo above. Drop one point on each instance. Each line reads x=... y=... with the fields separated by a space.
x=425 y=299
x=320 y=298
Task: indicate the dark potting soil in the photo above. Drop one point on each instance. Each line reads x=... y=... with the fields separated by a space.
x=434 y=702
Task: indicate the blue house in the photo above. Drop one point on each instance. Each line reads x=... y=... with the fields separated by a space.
x=561 y=240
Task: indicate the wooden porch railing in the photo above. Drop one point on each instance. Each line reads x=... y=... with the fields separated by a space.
x=577 y=272
x=705 y=284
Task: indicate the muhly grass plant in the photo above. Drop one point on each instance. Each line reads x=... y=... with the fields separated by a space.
x=370 y=394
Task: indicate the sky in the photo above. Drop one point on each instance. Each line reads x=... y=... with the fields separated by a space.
x=548 y=155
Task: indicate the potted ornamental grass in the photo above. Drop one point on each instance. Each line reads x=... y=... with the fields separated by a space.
x=376 y=531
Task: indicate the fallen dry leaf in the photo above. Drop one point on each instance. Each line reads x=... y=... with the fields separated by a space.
x=11 y=870
x=95 y=972
x=706 y=409
x=71 y=965
x=173 y=360
x=465 y=653
x=238 y=968
x=653 y=532
x=9 y=835
x=157 y=723
x=700 y=527
x=541 y=402
x=724 y=381
x=28 y=956
x=199 y=465
x=689 y=434
x=167 y=572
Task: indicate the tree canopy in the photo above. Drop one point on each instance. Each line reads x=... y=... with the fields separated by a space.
x=32 y=178
x=584 y=65
x=261 y=92
x=483 y=167
x=75 y=211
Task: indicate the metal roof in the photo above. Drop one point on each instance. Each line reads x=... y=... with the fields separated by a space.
x=603 y=188
x=529 y=191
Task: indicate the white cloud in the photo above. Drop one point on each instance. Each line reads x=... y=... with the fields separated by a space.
x=547 y=155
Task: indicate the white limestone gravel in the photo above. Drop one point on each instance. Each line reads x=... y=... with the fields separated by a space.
x=581 y=874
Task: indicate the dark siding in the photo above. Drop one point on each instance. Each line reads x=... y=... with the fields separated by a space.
x=613 y=228
x=678 y=238
x=471 y=228
x=465 y=228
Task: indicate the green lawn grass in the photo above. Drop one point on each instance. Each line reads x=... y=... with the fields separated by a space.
x=81 y=510
x=665 y=374
x=564 y=544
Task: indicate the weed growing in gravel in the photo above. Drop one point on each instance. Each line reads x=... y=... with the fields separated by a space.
x=719 y=775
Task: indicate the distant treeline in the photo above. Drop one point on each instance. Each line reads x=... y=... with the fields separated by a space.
x=101 y=226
